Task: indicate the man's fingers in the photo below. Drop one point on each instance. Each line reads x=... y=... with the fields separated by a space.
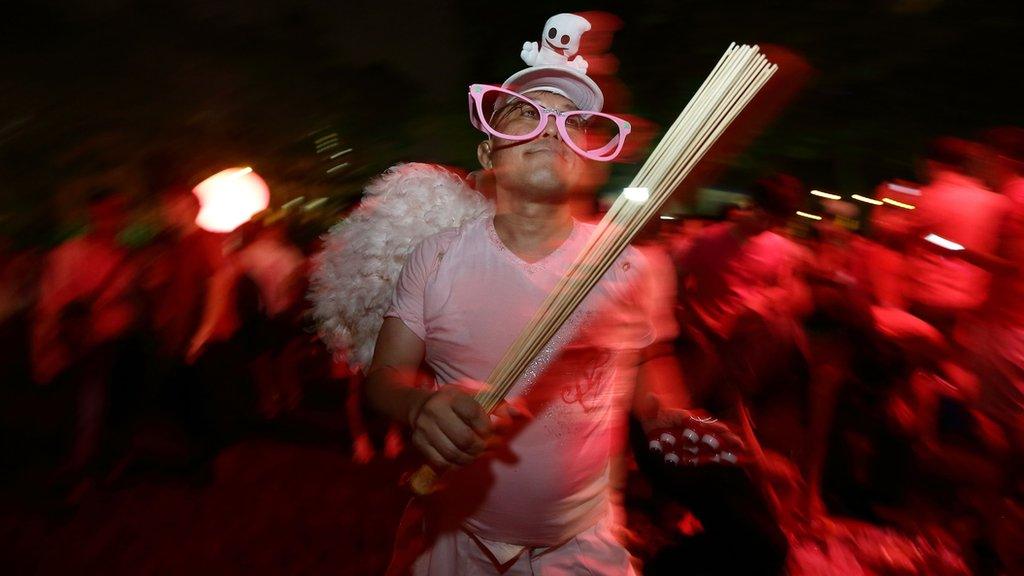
x=433 y=457
x=470 y=411
x=444 y=445
x=462 y=436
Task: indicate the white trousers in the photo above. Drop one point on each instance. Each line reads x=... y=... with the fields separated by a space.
x=593 y=552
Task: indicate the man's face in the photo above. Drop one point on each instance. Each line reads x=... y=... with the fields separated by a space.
x=544 y=168
x=753 y=220
x=179 y=210
x=107 y=217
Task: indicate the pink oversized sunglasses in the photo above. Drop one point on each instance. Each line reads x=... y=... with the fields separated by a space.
x=515 y=117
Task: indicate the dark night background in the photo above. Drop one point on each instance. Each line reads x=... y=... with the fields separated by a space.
x=167 y=92
x=146 y=96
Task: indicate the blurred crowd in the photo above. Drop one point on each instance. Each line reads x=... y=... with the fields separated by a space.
x=874 y=365
x=869 y=350
x=196 y=332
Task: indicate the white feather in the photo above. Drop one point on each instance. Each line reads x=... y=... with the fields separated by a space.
x=355 y=274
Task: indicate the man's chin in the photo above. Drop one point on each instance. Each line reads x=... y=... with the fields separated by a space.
x=551 y=185
x=543 y=181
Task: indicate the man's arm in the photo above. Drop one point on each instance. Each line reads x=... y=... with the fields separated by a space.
x=448 y=426
x=660 y=387
x=390 y=385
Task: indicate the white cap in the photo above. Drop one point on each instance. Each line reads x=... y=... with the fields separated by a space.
x=561 y=80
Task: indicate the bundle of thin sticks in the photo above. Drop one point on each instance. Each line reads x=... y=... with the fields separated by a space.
x=735 y=80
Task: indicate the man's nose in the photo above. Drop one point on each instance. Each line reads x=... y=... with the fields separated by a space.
x=551 y=127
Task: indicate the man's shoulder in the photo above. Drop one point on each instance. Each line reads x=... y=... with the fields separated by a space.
x=83 y=248
x=772 y=246
x=776 y=242
x=709 y=236
x=444 y=239
x=714 y=231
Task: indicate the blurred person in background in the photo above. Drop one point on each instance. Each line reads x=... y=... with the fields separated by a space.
x=185 y=259
x=956 y=205
x=232 y=332
x=279 y=270
x=275 y=264
x=839 y=327
x=945 y=286
x=993 y=338
x=993 y=332
x=253 y=308
x=87 y=313
x=889 y=230
x=19 y=278
x=180 y=264
x=740 y=280
x=740 y=300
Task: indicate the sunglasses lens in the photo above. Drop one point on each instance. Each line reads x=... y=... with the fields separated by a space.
x=509 y=114
x=593 y=133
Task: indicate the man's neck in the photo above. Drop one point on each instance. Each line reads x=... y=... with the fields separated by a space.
x=532 y=230
x=186 y=231
x=742 y=234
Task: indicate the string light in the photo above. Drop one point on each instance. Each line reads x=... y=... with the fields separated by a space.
x=826 y=195
x=898 y=204
x=866 y=200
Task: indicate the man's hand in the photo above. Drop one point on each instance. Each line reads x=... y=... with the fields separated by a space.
x=450 y=428
x=697 y=419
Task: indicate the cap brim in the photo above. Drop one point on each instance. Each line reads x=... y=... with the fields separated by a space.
x=574 y=85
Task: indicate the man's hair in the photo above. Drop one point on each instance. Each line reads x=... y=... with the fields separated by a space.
x=172 y=193
x=955 y=153
x=100 y=194
x=779 y=195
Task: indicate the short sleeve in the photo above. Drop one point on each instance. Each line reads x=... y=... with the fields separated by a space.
x=658 y=295
x=646 y=299
x=407 y=302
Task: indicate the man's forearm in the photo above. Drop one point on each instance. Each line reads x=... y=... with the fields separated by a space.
x=393 y=392
x=660 y=384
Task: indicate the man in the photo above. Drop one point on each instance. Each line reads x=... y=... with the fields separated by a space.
x=180 y=265
x=741 y=297
x=993 y=334
x=742 y=265
x=184 y=259
x=88 y=309
x=539 y=500
x=740 y=276
x=958 y=207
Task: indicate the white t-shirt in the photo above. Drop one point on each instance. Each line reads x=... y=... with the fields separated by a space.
x=469 y=297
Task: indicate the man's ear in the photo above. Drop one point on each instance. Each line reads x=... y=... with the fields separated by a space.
x=483 y=154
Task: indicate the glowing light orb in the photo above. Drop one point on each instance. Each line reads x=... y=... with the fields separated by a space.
x=230 y=198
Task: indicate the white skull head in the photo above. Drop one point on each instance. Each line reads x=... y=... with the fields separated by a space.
x=562 y=33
